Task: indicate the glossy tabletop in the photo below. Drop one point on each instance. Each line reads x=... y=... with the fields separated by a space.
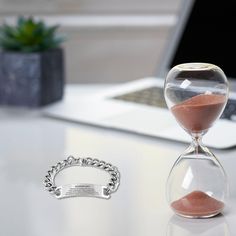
x=31 y=143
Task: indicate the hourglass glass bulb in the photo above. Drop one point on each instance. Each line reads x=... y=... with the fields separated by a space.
x=196 y=94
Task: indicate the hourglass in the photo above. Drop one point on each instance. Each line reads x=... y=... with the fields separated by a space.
x=196 y=94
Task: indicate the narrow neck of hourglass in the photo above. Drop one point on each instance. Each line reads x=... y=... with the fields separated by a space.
x=197 y=140
x=197 y=147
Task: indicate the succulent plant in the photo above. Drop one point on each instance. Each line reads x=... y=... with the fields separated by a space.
x=29 y=35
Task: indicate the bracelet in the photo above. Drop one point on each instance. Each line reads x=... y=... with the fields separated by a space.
x=82 y=190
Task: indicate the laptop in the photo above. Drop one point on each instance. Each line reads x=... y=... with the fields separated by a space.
x=203 y=33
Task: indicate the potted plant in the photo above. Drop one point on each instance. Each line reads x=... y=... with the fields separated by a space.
x=31 y=63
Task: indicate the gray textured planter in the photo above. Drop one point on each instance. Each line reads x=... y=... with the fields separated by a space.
x=31 y=79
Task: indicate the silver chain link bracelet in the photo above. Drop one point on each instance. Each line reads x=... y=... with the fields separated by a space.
x=82 y=190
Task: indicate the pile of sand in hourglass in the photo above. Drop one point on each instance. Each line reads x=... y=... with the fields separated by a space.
x=197 y=114
x=197 y=204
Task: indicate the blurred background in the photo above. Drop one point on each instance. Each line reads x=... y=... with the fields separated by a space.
x=108 y=41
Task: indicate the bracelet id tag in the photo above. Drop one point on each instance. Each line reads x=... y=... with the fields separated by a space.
x=82 y=190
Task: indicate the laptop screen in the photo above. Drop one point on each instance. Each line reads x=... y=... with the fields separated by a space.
x=209 y=36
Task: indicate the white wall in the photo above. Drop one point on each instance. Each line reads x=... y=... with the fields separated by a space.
x=88 y=6
x=123 y=43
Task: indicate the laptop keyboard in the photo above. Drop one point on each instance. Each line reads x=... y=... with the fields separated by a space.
x=154 y=96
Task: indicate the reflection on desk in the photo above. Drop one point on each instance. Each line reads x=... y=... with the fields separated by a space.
x=201 y=227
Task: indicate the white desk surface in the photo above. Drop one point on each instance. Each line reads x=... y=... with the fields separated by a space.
x=30 y=144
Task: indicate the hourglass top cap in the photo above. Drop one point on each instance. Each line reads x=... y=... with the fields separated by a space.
x=197 y=70
x=197 y=66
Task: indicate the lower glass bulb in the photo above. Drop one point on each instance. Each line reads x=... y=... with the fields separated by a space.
x=197 y=184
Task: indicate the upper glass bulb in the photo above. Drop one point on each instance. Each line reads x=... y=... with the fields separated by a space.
x=196 y=94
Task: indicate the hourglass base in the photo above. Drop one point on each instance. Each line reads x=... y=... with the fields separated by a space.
x=197 y=217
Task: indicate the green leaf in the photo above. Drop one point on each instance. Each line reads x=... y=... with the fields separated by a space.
x=29 y=35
